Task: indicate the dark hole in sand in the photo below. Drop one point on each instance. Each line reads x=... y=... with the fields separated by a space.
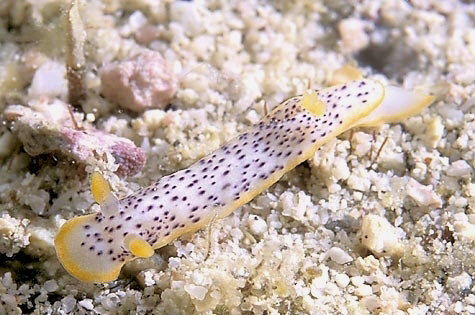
x=392 y=59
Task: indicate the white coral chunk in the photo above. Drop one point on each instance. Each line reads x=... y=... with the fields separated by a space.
x=380 y=236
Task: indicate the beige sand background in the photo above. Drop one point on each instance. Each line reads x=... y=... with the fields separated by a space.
x=358 y=229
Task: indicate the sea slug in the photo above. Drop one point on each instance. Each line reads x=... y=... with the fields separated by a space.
x=94 y=247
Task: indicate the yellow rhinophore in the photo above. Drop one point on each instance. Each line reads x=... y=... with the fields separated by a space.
x=100 y=188
x=311 y=103
x=139 y=247
x=345 y=74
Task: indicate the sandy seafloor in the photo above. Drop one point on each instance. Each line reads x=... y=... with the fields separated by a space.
x=347 y=232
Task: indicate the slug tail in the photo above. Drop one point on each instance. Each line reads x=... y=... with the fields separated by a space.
x=81 y=261
x=398 y=104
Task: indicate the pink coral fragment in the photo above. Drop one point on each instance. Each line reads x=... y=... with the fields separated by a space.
x=142 y=82
x=42 y=135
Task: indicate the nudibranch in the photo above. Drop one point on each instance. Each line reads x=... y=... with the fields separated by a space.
x=94 y=247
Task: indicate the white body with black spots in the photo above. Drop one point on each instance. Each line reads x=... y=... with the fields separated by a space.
x=94 y=247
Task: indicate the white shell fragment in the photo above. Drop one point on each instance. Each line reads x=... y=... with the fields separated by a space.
x=49 y=80
x=196 y=291
x=461 y=282
x=465 y=229
x=434 y=132
x=338 y=255
x=423 y=195
x=459 y=168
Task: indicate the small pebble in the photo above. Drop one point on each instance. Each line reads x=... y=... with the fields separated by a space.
x=87 y=304
x=459 y=168
x=342 y=280
x=196 y=291
x=68 y=303
x=339 y=256
x=364 y=290
x=50 y=285
x=257 y=225
x=461 y=282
